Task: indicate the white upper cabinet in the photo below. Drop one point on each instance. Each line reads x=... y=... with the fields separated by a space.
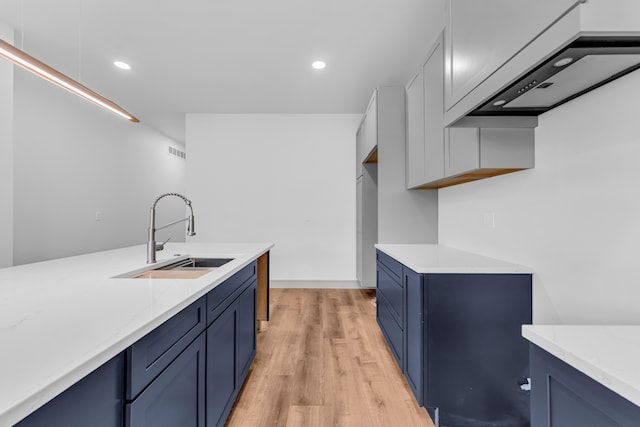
x=493 y=44
x=425 y=131
x=483 y=35
x=370 y=141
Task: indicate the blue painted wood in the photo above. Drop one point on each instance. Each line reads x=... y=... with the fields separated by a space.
x=221 y=367
x=154 y=352
x=392 y=265
x=390 y=328
x=414 y=332
x=475 y=356
x=219 y=298
x=177 y=396
x=563 y=396
x=246 y=331
x=97 y=400
x=231 y=349
x=393 y=291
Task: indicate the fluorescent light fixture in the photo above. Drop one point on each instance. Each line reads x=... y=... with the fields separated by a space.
x=319 y=65
x=29 y=63
x=122 y=65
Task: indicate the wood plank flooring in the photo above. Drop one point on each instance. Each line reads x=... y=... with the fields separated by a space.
x=322 y=361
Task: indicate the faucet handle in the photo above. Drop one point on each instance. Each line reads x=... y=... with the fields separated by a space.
x=160 y=246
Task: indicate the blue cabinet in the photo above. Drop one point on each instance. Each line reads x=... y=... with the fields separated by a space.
x=187 y=372
x=96 y=401
x=563 y=396
x=458 y=342
x=151 y=354
x=176 y=396
x=414 y=332
x=390 y=304
x=231 y=348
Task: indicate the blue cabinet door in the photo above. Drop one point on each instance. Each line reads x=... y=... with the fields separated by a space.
x=96 y=401
x=414 y=332
x=221 y=367
x=246 y=331
x=563 y=396
x=176 y=396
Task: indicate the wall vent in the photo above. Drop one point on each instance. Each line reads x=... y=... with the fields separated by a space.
x=178 y=153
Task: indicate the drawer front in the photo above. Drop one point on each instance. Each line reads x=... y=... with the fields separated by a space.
x=155 y=351
x=394 y=266
x=228 y=291
x=390 y=329
x=392 y=291
x=177 y=396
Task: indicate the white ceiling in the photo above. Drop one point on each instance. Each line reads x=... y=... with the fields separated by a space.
x=228 y=56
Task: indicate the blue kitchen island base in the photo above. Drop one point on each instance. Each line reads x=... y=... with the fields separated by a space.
x=562 y=396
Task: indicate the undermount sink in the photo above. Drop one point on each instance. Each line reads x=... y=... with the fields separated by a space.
x=189 y=268
x=194 y=263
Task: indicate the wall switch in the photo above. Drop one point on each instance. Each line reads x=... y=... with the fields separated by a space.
x=98 y=216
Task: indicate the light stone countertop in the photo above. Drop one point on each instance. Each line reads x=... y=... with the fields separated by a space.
x=609 y=354
x=62 y=319
x=434 y=258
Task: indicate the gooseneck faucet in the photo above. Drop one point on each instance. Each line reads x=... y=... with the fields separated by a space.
x=151 y=242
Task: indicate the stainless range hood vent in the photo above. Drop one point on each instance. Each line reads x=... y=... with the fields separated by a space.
x=587 y=63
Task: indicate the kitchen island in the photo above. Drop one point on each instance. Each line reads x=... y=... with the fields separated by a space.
x=61 y=320
x=584 y=375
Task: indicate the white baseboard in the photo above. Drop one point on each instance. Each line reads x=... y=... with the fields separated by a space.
x=316 y=284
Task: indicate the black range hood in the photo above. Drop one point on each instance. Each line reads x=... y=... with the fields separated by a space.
x=585 y=64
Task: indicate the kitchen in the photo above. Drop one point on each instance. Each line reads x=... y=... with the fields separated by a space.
x=571 y=218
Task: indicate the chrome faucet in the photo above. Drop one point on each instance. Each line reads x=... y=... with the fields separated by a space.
x=151 y=242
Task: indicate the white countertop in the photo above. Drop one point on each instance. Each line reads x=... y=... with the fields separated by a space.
x=62 y=319
x=442 y=259
x=608 y=354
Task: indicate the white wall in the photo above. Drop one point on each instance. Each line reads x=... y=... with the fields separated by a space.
x=281 y=178
x=73 y=159
x=575 y=218
x=6 y=154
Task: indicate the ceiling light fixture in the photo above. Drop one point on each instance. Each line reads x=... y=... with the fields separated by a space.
x=122 y=65
x=29 y=63
x=319 y=65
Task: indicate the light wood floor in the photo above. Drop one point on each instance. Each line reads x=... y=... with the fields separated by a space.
x=322 y=361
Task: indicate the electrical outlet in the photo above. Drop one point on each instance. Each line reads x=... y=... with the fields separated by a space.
x=489 y=219
x=98 y=216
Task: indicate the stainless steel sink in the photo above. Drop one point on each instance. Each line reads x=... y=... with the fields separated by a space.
x=188 y=268
x=197 y=263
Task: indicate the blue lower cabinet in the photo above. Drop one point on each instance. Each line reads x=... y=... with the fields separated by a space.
x=97 y=401
x=414 y=357
x=246 y=331
x=563 y=396
x=475 y=356
x=231 y=348
x=457 y=340
x=221 y=378
x=176 y=397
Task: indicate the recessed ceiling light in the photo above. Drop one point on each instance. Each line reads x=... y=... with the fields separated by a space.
x=319 y=65
x=122 y=65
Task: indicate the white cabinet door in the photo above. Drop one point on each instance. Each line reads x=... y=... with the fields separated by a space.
x=415 y=162
x=462 y=153
x=359 y=142
x=482 y=35
x=371 y=127
x=425 y=117
x=359 y=230
x=433 y=71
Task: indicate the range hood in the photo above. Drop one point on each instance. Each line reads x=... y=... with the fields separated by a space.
x=583 y=65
